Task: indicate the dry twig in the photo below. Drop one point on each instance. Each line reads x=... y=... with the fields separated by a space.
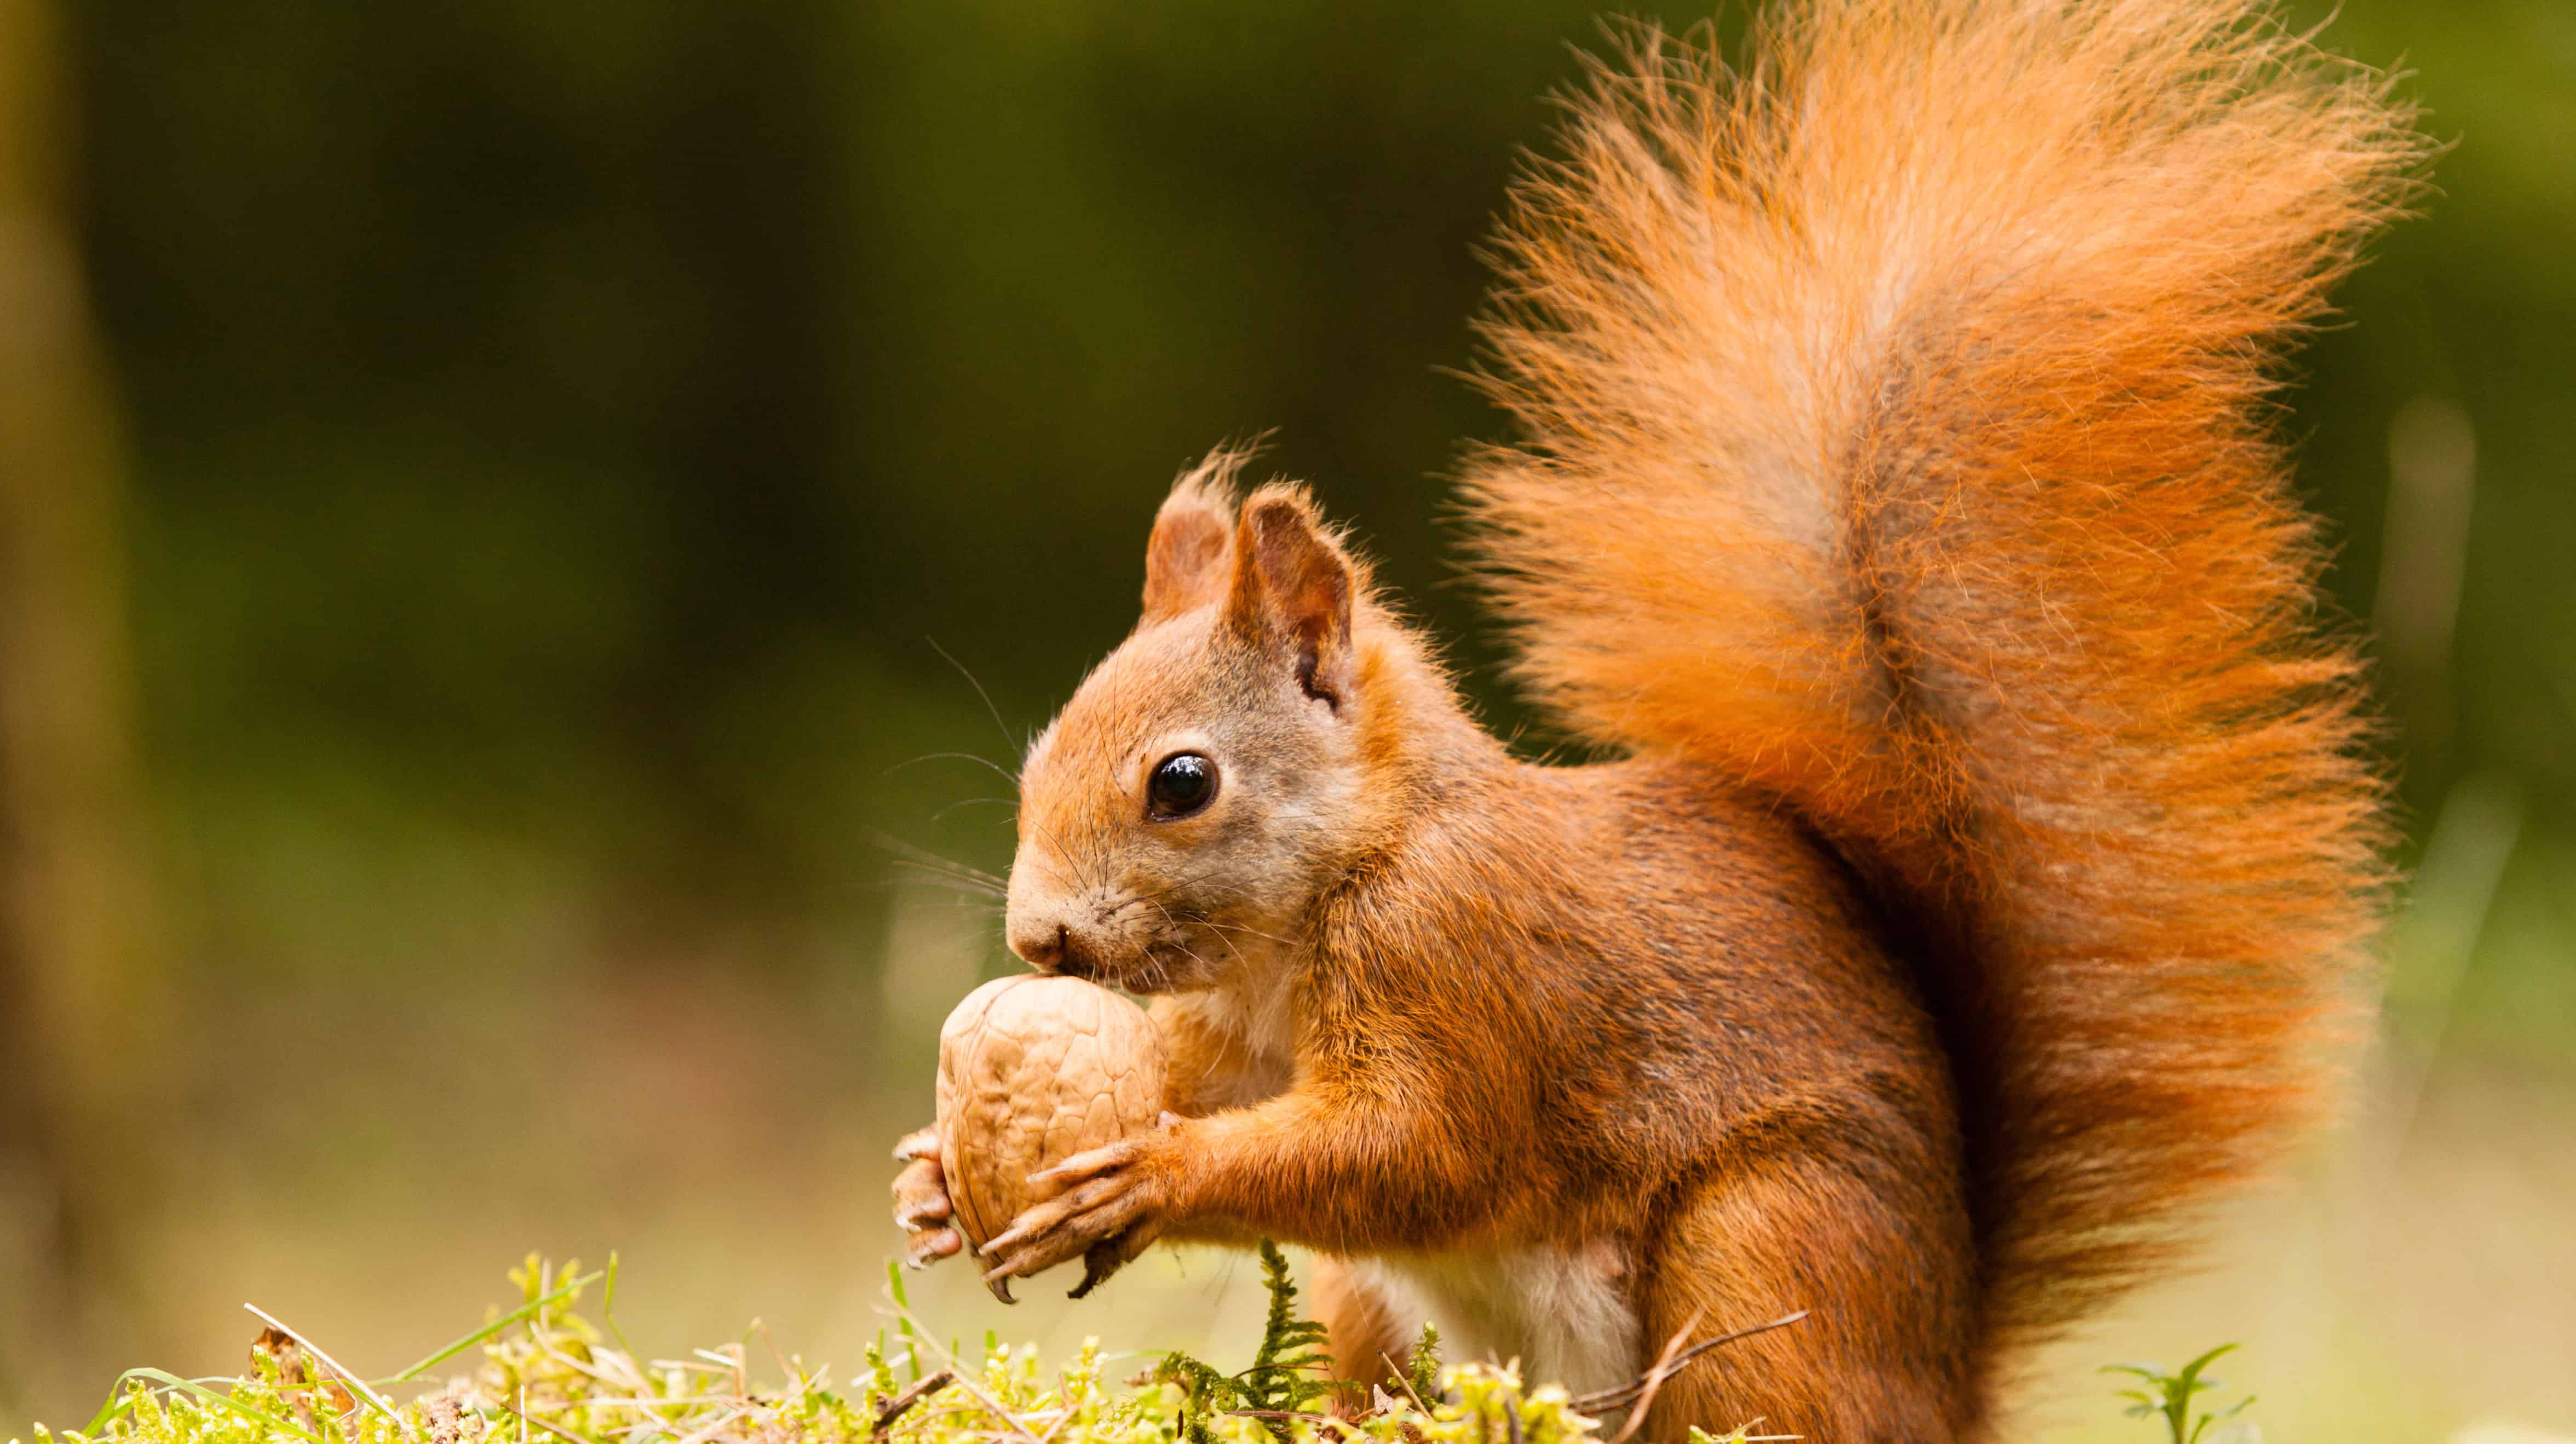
x=1643 y=1389
x=902 y=1403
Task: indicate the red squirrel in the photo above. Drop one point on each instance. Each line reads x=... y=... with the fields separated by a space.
x=1984 y=853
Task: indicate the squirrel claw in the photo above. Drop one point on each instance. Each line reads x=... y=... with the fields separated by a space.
x=1099 y=1262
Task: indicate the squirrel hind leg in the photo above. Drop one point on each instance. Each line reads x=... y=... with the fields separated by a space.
x=1364 y=1325
x=1885 y=1351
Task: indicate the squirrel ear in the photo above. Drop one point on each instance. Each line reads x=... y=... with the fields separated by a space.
x=1185 y=559
x=1293 y=584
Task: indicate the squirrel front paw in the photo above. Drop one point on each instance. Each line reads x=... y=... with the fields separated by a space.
x=1115 y=1202
x=921 y=1206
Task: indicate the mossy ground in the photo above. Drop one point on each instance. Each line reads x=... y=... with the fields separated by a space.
x=547 y=1373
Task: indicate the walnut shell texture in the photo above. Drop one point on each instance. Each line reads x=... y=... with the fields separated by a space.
x=1033 y=1070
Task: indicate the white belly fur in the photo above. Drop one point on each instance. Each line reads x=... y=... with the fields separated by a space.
x=1562 y=1314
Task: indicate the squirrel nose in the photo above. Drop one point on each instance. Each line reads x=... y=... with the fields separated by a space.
x=1052 y=950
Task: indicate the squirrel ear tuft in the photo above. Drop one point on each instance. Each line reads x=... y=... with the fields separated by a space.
x=1186 y=558
x=1293 y=584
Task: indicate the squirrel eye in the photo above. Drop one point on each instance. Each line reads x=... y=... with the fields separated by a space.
x=1182 y=784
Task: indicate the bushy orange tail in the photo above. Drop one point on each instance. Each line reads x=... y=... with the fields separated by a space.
x=1898 y=435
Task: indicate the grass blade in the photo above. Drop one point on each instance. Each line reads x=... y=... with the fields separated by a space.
x=485 y=1332
x=119 y=1401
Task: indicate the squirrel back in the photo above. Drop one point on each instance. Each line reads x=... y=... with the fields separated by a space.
x=1896 y=426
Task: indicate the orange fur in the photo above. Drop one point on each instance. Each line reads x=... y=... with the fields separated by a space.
x=1898 y=443
x=1987 y=852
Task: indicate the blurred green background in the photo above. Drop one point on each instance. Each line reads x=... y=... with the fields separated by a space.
x=486 y=489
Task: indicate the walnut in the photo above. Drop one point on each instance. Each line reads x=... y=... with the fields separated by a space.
x=1033 y=1070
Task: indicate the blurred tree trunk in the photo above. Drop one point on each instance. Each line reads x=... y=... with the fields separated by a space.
x=78 y=999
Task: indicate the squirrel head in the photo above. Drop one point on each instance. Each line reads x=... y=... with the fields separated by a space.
x=1225 y=764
